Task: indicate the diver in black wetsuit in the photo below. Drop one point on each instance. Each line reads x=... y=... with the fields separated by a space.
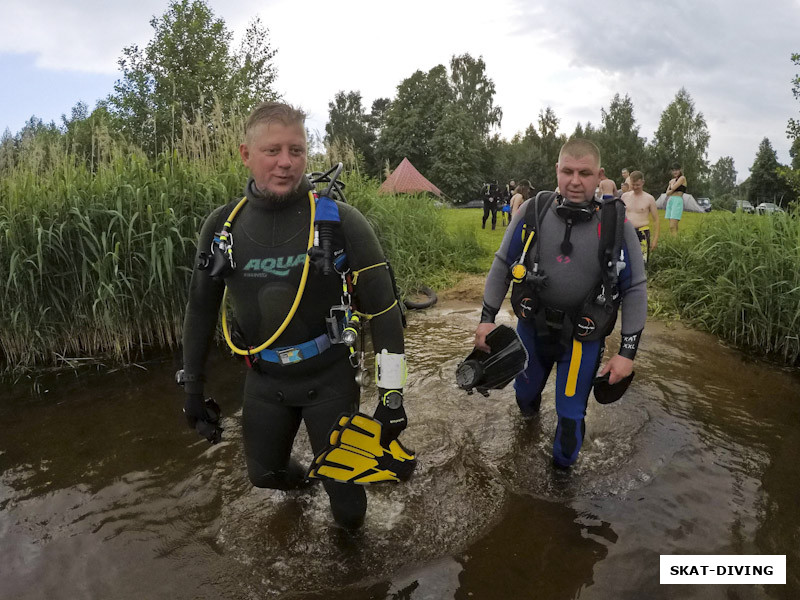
x=491 y=199
x=304 y=374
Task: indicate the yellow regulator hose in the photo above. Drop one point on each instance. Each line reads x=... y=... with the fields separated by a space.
x=297 y=298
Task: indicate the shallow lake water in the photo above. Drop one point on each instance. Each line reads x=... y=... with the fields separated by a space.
x=104 y=492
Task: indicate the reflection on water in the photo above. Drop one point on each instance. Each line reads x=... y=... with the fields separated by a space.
x=105 y=493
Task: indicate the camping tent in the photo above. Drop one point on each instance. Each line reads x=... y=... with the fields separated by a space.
x=689 y=203
x=405 y=179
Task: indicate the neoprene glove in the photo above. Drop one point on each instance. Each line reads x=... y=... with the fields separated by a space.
x=393 y=421
x=203 y=416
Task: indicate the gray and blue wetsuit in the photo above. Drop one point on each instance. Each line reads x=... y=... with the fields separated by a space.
x=570 y=279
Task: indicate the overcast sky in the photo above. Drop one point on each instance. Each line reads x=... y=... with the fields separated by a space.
x=732 y=56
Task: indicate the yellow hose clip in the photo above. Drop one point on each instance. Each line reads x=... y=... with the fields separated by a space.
x=518 y=270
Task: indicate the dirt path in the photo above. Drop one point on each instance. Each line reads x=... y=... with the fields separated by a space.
x=468 y=289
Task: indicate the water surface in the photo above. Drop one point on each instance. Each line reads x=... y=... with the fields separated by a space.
x=104 y=493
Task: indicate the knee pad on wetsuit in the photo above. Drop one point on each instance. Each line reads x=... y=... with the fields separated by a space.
x=290 y=478
x=529 y=407
x=568 y=441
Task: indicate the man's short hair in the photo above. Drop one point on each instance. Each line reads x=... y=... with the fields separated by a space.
x=274 y=112
x=637 y=176
x=578 y=148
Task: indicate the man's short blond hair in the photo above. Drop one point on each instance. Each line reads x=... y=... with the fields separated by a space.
x=578 y=148
x=637 y=176
x=274 y=112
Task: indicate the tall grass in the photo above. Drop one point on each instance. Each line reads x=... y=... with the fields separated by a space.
x=738 y=276
x=95 y=258
x=415 y=236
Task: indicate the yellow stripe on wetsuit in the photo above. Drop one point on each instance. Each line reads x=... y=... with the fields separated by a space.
x=574 y=368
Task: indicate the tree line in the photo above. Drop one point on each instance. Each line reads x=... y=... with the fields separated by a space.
x=445 y=120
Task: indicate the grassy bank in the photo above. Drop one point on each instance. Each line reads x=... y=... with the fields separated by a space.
x=95 y=259
x=417 y=236
x=734 y=275
x=469 y=220
x=737 y=276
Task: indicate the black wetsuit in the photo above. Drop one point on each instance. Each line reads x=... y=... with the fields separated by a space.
x=270 y=243
x=491 y=198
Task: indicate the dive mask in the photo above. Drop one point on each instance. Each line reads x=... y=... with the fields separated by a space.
x=579 y=212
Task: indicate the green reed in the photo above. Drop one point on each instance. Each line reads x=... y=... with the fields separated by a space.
x=95 y=257
x=415 y=236
x=738 y=276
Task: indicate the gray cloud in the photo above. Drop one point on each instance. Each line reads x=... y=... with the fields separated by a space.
x=733 y=58
x=89 y=35
x=81 y=35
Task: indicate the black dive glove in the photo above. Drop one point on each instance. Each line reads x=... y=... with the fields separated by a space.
x=391 y=414
x=203 y=416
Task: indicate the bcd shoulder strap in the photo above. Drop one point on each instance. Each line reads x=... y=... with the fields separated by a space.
x=540 y=204
x=612 y=222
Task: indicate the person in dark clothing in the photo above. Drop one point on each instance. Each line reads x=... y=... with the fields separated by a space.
x=281 y=297
x=491 y=200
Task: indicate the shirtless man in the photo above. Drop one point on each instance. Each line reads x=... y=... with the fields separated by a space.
x=626 y=178
x=607 y=187
x=639 y=208
x=626 y=182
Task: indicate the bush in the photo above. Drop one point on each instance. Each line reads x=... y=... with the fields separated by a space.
x=739 y=278
x=725 y=202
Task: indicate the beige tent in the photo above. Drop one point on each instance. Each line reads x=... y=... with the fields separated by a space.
x=689 y=203
x=405 y=179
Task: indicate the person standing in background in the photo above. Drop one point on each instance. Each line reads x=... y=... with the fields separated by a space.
x=675 y=191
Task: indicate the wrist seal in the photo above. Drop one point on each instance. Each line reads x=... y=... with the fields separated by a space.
x=488 y=313
x=182 y=377
x=630 y=344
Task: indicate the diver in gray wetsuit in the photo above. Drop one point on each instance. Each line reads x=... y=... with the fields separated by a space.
x=304 y=373
x=556 y=274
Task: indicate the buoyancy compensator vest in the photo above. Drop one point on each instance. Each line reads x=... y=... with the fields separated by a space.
x=598 y=314
x=326 y=252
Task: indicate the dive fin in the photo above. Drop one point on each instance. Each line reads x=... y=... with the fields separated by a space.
x=495 y=369
x=355 y=454
x=605 y=393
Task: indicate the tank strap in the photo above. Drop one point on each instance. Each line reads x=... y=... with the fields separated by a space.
x=377 y=314
x=359 y=271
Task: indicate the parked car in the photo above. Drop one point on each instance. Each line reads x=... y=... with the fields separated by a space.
x=704 y=203
x=471 y=204
x=766 y=208
x=745 y=206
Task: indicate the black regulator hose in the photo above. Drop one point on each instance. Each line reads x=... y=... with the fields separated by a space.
x=325 y=242
x=326 y=228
